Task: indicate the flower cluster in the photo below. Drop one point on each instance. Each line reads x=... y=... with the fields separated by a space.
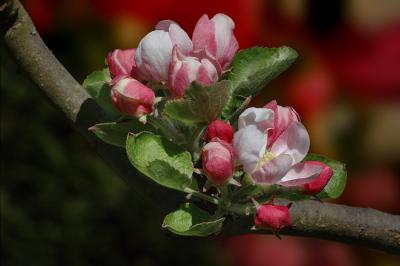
x=167 y=56
x=184 y=124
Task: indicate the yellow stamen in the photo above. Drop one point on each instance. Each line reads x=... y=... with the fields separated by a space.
x=268 y=156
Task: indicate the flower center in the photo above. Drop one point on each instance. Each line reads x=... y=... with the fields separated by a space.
x=268 y=156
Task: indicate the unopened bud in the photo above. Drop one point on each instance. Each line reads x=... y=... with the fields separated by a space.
x=183 y=70
x=131 y=97
x=121 y=62
x=218 y=161
x=273 y=216
x=219 y=129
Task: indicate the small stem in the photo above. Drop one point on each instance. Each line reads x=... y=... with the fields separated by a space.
x=202 y=196
x=225 y=194
x=242 y=210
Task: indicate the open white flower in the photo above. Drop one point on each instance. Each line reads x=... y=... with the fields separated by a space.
x=271 y=143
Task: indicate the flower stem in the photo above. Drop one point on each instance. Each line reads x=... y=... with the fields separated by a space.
x=225 y=194
x=202 y=196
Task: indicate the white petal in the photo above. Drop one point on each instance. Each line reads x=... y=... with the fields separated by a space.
x=192 y=67
x=211 y=69
x=224 y=26
x=286 y=116
x=154 y=55
x=249 y=144
x=177 y=34
x=300 y=174
x=180 y=37
x=294 y=141
x=272 y=171
x=262 y=118
x=121 y=85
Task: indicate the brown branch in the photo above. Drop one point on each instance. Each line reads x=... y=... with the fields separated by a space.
x=361 y=226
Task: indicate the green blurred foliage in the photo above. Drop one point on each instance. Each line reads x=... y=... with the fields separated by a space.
x=61 y=205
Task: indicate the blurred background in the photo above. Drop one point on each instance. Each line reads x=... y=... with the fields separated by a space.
x=62 y=205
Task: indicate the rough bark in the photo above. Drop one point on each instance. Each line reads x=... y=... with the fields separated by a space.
x=328 y=221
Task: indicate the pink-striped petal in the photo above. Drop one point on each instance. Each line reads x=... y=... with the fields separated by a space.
x=227 y=44
x=207 y=73
x=262 y=118
x=283 y=118
x=131 y=97
x=121 y=62
x=301 y=173
x=185 y=69
x=204 y=35
x=204 y=54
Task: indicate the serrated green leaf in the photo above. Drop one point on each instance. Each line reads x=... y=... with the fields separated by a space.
x=252 y=69
x=161 y=160
x=97 y=85
x=189 y=220
x=115 y=133
x=201 y=104
x=337 y=183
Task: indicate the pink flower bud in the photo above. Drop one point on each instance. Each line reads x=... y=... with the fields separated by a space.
x=216 y=35
x=183 y=70
x=121 y=62
x=218 y=161
x=219 y=129
x=131 y=97
x=318 y=184
x=273 y=216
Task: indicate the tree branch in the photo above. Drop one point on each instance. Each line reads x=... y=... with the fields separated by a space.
x=361 y=226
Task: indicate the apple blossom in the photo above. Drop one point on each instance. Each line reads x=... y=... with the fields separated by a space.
x=121 y=62
x=271 y=143
x=216 y=36
x=272 y=216
x=131 y=97
x=183 y=70
x=153 y=54
x=218 y=160
x=219 y=129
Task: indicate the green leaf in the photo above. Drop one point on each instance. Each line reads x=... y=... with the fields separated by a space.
x=200 y=104
x=252 y=69
x=115 y=133
x=97 y=85
x=337 y=183
x=180 y=133
x=161 y=160
x=189 y=220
